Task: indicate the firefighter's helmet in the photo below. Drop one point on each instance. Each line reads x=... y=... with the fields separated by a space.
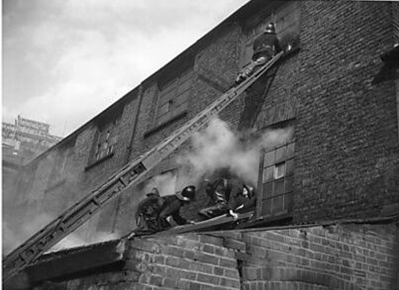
x=153 y=193
x=250 y=190
x=187 y=194
x=270 y=28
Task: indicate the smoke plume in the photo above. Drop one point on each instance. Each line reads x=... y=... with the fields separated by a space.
x=165 y=183
x=12 y=237
x=219 y=146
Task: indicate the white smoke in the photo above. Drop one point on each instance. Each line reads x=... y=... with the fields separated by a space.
x=218 y=146
x=165 y=183
x=12 y=238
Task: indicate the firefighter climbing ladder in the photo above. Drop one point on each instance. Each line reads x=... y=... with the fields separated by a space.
x=129 y=175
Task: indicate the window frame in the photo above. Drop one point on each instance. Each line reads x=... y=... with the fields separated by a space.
x=273 y=188
x=106 y=133
x=173 y=97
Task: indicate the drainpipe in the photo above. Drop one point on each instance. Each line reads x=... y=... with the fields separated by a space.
x=137 y=112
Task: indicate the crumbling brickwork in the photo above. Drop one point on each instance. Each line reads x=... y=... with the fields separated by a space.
x=345 y=257
x=330 y=257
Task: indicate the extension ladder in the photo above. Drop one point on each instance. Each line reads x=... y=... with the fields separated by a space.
x=130 y=175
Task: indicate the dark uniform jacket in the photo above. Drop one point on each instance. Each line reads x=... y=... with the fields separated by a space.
x=224 y=189
x=266 y=44
x=227 y=194
x=240 y=203
x=171 y=207
x=152 y=214
x=147 y=216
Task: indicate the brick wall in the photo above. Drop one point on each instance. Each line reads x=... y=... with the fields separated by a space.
x=347 y=133
x=345 y=257
x=332 y=257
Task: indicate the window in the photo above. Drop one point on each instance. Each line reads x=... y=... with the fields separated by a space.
x=173 y=97
x=287 y=22
x=105 y=146
x=279 y=170
x=107 y=139
x=276 y=180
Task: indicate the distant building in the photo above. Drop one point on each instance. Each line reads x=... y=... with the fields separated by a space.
x=21 y=142
x=26 y=138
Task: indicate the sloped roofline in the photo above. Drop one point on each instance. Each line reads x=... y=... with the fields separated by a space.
x=236 y=18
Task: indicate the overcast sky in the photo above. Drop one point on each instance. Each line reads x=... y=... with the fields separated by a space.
x=64 y=61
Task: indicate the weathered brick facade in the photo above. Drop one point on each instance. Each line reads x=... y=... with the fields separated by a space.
x=342 y=102
x=347 y=149
x=349 y=256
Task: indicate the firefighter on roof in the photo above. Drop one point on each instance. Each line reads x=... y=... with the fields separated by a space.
x=147 y=214
x=228 y=195
x=243 y=201
x=157 y=213
x=265 y=46
x=172 y=205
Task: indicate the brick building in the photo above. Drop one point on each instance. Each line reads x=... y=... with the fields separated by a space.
x=335 y=94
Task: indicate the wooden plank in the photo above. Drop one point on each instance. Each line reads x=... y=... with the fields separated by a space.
x=201 y=226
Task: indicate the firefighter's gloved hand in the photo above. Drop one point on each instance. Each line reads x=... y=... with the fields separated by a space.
x=131 y=235
x=233 y=214
x=240 y=207
x=288 y=48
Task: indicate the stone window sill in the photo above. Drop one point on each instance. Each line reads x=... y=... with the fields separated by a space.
x=159 y=127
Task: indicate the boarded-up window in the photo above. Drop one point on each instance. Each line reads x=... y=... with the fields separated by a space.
x=276 y=180
x=287 y=22
x=173 y=97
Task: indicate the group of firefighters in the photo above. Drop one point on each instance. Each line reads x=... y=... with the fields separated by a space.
x=157 y=213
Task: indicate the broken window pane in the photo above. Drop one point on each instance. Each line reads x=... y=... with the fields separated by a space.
x=279 y=171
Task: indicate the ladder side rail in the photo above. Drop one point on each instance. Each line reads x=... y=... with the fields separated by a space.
x=130 y=175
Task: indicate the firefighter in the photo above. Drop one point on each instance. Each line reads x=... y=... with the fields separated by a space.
x=229 y=196
x=243 y=201
x=171 y=207
x=220 y=191
x=265 y=46
x=155 y=212
x=147 y=214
